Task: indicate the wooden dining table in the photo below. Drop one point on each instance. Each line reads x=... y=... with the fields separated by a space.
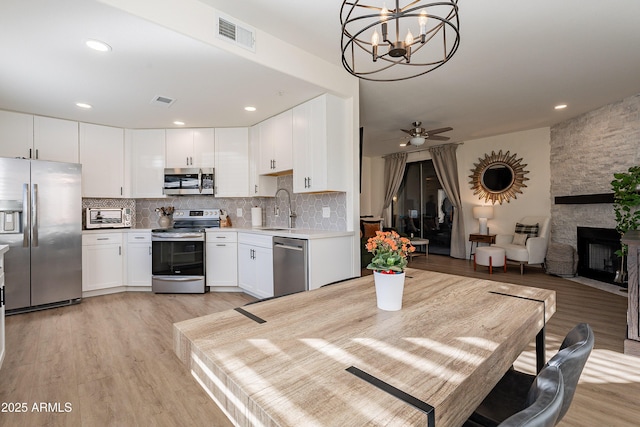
x=330 y=357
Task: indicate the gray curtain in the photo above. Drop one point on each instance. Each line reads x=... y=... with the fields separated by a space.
x=394 y=165
x=446 y=166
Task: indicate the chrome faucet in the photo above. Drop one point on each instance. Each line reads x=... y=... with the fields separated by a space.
x=292 y=214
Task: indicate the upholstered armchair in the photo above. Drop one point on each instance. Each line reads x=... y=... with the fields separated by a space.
x=526 y=246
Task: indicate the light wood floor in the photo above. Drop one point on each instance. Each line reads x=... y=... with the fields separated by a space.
x=111 y=357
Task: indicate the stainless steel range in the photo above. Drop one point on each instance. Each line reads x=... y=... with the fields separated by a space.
x=178 y=253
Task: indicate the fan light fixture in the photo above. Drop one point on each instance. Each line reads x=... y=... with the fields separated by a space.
x=417 y=140
x=365 y=34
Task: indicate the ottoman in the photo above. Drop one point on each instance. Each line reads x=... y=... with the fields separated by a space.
x=490 y=256
x=561 y=260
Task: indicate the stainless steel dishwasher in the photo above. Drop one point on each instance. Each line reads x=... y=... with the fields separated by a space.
x=290 y=270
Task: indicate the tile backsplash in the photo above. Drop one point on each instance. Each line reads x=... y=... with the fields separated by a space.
x=308 y=208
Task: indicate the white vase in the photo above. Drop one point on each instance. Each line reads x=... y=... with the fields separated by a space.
x=164 y=221
x=389 y=290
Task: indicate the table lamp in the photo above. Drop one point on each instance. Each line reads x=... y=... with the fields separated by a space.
x=482 y=214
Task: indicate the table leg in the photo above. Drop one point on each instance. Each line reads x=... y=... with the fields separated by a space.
x=540 y=350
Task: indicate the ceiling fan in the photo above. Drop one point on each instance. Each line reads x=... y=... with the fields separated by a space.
x=420 y=134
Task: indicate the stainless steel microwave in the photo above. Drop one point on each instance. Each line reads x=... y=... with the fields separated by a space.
x=108 y=218
x=188 y=181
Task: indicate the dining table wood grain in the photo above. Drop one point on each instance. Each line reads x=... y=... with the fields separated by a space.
x=330 y=357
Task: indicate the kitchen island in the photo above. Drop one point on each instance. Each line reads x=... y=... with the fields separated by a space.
x=331 y=357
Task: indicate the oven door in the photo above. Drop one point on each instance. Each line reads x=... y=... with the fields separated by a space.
x=177 y=265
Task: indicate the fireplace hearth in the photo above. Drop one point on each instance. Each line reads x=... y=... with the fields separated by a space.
x=596 y=252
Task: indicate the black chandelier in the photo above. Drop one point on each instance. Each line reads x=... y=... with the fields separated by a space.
x=365 y=32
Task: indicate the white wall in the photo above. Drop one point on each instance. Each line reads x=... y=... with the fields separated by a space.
x=533 y=146
x=372 y=194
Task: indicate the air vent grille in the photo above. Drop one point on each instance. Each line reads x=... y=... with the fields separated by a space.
x=236 y=33
x=164 y=101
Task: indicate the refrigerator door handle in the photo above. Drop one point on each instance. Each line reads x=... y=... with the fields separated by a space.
x=25 y=215
x=34 y=215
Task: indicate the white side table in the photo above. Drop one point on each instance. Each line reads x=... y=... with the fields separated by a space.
x=420 y=242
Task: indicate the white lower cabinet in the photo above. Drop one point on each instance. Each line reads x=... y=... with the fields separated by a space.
x=222 y=259
x=139 y=259
x=102 y=261
x=255 y=264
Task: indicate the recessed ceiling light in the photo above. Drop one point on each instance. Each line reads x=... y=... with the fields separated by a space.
x=178 y=123
x=404 y=144
x=98 y=45
x=83 y=105
x=250 y=108
x=560 y=106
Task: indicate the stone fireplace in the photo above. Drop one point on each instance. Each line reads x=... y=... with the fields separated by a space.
x=585 y=153
x=596 y=252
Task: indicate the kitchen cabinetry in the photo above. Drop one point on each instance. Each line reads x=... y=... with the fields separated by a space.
x=36 y=137
x=276 y=144
x=255 y=264
x=190 y=148
x=2 y=308
x=232 y=162
x=102 y=158
x=222 y=259
x=320 y=151
x=146 y=148
x=259 y=185
x=138 y=257
x=55 y=139
x=102 y=261
x=16 y=134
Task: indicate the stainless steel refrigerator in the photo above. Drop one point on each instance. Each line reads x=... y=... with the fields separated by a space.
x=41 y=221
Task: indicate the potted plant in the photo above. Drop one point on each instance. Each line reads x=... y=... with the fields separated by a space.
x=626 y=201
x=390 y=253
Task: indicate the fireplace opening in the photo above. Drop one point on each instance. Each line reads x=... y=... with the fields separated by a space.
x=596 y=253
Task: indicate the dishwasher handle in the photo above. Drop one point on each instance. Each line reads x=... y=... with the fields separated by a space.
x=283 y=246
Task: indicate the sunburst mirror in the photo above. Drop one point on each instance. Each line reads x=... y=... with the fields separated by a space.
x=498 y=177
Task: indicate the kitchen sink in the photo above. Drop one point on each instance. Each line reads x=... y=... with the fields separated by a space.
x=275 y=229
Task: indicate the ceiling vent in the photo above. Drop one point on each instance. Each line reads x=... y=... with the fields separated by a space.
x=164 y=101
x=237 y=33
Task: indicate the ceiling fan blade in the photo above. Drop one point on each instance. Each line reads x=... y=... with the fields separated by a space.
x=438 y=138
x=410 y=131
x=434 y=131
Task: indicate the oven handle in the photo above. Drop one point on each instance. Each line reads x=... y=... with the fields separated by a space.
x=176 y=279
x=173 y=236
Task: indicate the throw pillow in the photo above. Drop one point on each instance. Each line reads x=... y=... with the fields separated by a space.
x=370 y=229
x=520 y=239
x=529 y=230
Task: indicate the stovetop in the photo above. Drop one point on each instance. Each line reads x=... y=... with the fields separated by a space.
x=192 y=221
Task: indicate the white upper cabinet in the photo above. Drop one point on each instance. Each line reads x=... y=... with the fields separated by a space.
x=16 y=134
x=37 y=137
x=190 y=148
x=320 y=149
x=146 y=149
x=232 y=162
x=276 y=144
x=102 y=158
x=55 y=140
x=259 y=185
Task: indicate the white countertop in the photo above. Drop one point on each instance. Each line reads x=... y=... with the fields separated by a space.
x=116 y=230
x=299 y=233
x=4 y=249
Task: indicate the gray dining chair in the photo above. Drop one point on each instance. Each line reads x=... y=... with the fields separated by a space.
x=509 y=396
x=543 y=403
